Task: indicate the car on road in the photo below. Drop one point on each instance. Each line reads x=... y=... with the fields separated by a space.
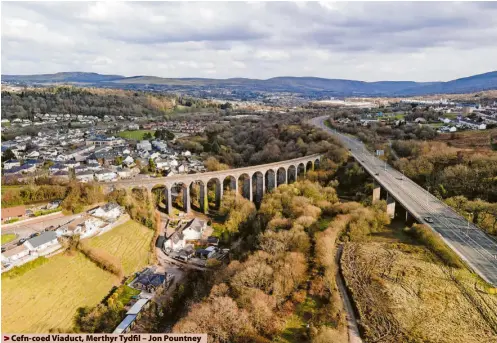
x=376 y=173
x=34 y=235
x=428 y=220
x=4 y=249
x=21 y=241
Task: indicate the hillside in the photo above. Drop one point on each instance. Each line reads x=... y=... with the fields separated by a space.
x=304 y=85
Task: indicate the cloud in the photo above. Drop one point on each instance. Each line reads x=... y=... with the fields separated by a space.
x=366 y=41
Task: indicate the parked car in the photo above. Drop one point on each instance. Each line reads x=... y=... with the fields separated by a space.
x=21 y=241
x=34 y=235
x=428 y=220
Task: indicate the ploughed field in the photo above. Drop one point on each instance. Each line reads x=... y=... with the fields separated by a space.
x=404 y=293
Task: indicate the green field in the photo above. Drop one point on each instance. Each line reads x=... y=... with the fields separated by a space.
x=130 y=242
x=10 y=188
x=135 y=135
x=47 y=296
x=8 y=237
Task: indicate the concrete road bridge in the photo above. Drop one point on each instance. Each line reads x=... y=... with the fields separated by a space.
x=251 y=182
x=405 y=197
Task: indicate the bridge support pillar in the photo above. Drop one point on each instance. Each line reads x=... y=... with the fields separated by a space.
x=409 y=219
x=204 y=202
x=390 y=206
x=376 y=191
x=186 y=199
x=219 y=195
x=250 y=189
x=169 y=201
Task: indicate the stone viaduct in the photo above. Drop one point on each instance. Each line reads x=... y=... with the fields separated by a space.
x=251 y=182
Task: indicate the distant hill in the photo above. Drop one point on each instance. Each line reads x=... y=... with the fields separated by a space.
x=66 y=77
x=304 y=85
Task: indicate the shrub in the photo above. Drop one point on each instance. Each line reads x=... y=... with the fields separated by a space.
x=102 y=259
x=426 y=236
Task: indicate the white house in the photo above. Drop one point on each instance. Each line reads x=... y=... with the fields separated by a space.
x=161 y=164
x=109 y=211
x=128 y=160
x=183 y=168
x=194 y=229
x=84 y=227
x=144 y=145
x=186 y=153
x=191 y=231
x=105 y=175
x=42 y=242
x=15 y=254
x=11 y=164
x=453 y=129
x=33 y=154
x=85 y=176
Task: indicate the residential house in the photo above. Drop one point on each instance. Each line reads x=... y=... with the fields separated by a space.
x=15 y=254
x=61 y=175
x=110 y=211
x=144 y=145
x=13 y=212
x=85 y=176
x=182 y=168
x=190 y=231
x=124 y=173
x=161 y=164
x=129 y=161
x=11 y=164
x=58 y=167
x=33 y=154
x=45 y=240
x=84 y=227
x=149 y=281
x=105 y=175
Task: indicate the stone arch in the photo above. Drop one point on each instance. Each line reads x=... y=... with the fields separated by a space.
x=301 y=171
x=214 y=192
x=258 y=186
x=230 y=183
x=245 y=185
x=291 y=174
x=309 y=166
x=270 y=180
x=317 y=163
x=160 y=195
x=180 y=196
x=281 y=176
x=198 y=196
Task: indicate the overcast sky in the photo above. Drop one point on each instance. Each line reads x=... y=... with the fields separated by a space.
x=362 y=41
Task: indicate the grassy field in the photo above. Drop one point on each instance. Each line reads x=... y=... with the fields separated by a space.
x=136 y=134
x=8 y=237
x=475 y=139
x=47 y=296
x=130 y=242
x=10 y=188
x=403 y=282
